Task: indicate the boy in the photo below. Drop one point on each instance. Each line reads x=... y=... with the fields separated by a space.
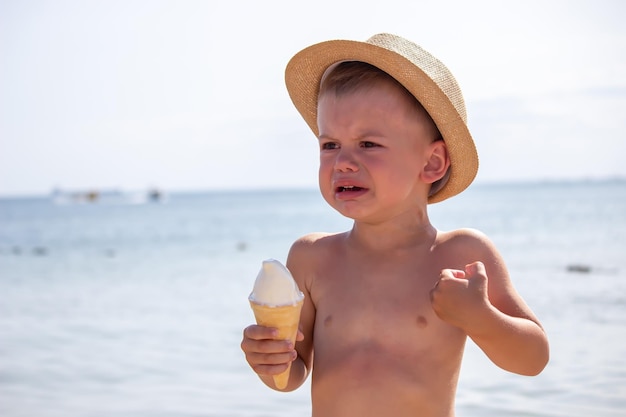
x=390 y=303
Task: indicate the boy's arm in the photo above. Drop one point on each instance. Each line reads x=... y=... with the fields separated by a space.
x=301 y=262
x=482 y=301
x=268 y=356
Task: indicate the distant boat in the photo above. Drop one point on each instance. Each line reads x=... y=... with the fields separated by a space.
x=107 y=197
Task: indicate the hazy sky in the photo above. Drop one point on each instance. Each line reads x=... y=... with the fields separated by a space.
x=186 y=95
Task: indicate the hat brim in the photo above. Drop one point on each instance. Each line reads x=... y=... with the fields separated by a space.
x=305 y=70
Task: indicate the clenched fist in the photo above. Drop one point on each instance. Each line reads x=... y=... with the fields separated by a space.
x=459 y=297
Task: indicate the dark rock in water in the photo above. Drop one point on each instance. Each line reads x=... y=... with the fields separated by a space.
x=585 y=269
x=40 y=251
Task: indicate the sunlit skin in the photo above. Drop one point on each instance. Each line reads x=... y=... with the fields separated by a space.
x=390 y=303
x=381 y=150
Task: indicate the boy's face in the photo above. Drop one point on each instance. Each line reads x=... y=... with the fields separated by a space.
x=374 y=146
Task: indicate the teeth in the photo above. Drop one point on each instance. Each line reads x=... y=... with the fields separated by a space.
x=349 y=188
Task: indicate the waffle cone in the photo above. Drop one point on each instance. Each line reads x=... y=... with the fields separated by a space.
x=286 y=320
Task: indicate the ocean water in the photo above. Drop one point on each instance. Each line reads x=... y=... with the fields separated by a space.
x=138 y=309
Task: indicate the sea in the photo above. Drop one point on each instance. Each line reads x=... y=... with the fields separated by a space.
x=136 y=308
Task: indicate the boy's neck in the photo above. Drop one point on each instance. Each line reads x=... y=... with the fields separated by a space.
x=400 y=234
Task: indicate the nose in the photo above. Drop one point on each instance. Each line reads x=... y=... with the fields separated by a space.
x=345 y=161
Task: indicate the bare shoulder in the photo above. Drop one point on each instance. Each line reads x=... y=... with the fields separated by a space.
x=309 y=250
x=308 y=244
x=466 y=246
x=472 y=242
x=471 y=245
x=467 y=233
x=312 y=238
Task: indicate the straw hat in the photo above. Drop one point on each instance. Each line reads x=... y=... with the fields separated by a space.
x=418 y=71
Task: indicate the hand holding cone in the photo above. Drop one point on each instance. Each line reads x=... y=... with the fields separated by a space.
x=277 y=302
x=285 y=319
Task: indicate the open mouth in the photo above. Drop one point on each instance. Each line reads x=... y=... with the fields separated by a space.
x=349 y=188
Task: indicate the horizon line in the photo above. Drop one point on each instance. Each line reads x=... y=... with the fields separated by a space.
x=278 y=188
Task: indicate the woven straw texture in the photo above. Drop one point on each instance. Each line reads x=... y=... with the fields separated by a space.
x=417 y=70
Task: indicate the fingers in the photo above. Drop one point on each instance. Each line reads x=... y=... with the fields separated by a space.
x=257 y=332
x=299 y=336
x=270 y=363
x=448 y=280
x=451 y=273
x=265 y=355
x=471 y=270
x=475 y=268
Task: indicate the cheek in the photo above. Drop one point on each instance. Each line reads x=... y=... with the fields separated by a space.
x=326 y=165
x=325 y=187
x=324 y=175
x=403 y=172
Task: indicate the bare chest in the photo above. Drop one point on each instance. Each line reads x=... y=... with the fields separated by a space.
x=383 y=303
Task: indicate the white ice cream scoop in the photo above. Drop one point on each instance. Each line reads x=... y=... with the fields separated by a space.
x=275 y=286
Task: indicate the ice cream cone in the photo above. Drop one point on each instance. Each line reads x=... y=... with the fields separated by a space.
x=286 y=320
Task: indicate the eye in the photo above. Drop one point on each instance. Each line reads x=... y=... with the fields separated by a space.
x=329 y=146
x=368 y=144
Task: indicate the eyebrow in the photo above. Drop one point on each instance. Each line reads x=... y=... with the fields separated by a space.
x=366 y=134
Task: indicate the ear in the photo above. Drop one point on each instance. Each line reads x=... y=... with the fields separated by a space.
x=437 y=163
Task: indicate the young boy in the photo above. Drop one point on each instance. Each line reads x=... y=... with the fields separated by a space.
x=389 y=304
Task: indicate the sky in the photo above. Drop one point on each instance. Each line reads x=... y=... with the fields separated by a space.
x=188 y=95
